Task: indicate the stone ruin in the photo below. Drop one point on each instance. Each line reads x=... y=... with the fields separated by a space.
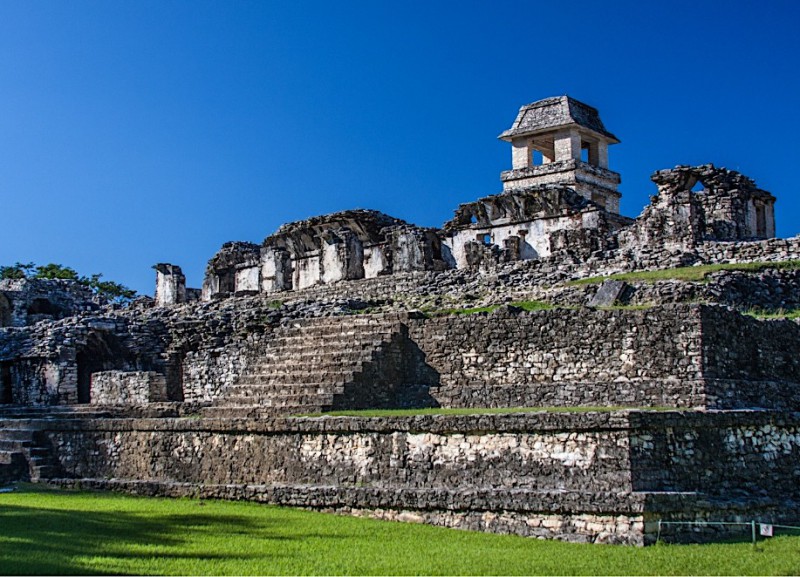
x=221 y=392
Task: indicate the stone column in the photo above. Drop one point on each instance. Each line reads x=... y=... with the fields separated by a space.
x=520 y=153
x=567 y=145
x=170 y=285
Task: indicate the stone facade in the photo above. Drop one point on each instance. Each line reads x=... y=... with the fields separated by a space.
x=592 y=477
x=203 y=392
x=28 y=301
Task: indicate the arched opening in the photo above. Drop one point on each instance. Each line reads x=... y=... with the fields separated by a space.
x=42 y=306
x=5 y=311
x=698 y=187
x=102 y=352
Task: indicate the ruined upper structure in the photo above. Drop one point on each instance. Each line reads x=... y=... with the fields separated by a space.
x=348 y=245
x=559 y=198
x=560 y=140
x=27 y=301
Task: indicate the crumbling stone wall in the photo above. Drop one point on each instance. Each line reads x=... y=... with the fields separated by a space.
x=528 y=224
x=565 y=358
x=348 y=245
x=127 y=388
x=28 y=301
x=602 y=477
x=729 y=207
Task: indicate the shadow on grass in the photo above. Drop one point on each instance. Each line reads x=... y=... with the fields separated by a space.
x=55 y=541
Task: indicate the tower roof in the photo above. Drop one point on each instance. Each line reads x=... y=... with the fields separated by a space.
x=556 y=112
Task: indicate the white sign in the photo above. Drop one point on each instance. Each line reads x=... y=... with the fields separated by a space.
x=766 y=530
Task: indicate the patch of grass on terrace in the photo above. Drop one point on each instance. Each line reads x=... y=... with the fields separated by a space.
x=63 y=533
x=477 y=411
x=689 y=273
x=524 y=305
x=779 y=314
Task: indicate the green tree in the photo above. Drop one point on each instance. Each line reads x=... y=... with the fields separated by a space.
x=108 y=289
x=16 y=271
x=57 y=271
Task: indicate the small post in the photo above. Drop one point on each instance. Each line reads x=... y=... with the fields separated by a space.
x=753 y=531
x=658 y=535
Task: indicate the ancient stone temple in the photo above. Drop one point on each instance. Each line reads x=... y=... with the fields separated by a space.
x=676 y=405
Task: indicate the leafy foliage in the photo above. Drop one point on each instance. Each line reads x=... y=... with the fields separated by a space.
x=16 y=271
x=108 y=289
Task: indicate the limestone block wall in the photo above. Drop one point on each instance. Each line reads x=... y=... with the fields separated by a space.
x=127 y=388
x=750 y=363
x=565 y=358
x=726 y=454
x=591 y=476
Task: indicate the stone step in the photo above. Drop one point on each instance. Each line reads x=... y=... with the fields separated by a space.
x=9 y=434
x=255 y=411
x=319 y=352
x=348 y=321
x=293 y=374
x=269 y=388
x=9 y=456
x=363 y=332
x=317 y=347
x=39 y=454
x=288 y=400
x=352 y=336
x=39 y=472
x=355 y=334
x=14 y=444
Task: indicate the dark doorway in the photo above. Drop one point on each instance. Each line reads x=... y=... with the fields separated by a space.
x=85 y=369
x=761 y=221
x=6 y=388
x=5 y=311
x=102 y=352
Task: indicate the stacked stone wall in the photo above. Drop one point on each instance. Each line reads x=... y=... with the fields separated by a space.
x=726 y=454
x=565 y=358
x=593 y=476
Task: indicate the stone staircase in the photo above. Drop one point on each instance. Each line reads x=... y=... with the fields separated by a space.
x=309 y=364
x=24 y=455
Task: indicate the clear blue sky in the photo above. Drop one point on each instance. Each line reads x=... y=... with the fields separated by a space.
x=140 y=132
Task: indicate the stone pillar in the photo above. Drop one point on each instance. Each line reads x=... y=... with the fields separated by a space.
x=520 y=153
x=342 y=256
x=567 y=145
x=276 y=270
x=170 y=285
x=602 y=154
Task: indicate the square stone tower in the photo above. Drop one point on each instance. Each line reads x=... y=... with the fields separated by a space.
x=560 y=140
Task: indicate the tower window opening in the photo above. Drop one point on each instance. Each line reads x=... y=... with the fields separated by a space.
x=698 y=187
x=761 y=221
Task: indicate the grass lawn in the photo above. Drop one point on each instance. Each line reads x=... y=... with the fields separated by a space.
x=59 y=532
x=689 y=273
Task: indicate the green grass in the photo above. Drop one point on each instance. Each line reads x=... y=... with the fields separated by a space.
x=476 y=411
x=524 y=305
x=689 y=273
x=791 y=314
x=61 y=532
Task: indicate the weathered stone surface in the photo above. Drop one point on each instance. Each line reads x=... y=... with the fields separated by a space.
x=177 y=396
x=609 y=293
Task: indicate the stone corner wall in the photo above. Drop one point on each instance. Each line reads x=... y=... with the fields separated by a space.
x=127 y=388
